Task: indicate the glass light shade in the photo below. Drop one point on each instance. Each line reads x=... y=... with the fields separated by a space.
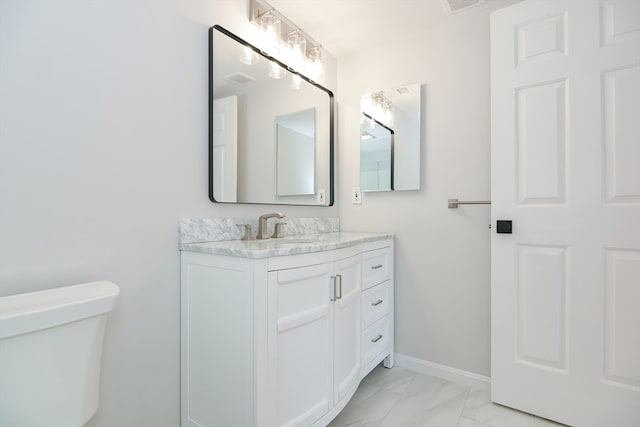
x=388 y=117
x=296 y=81
x=248 y=56
x=366 y=104
x=378 y=106
x=276 y=71
x=315 y=68
x=270 y=24
x=298 y=46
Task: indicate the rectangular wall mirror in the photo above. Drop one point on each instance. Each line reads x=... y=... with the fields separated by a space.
x=390 y=139
x=270 y=129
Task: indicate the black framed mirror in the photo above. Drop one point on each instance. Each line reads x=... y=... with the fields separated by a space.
x=271 y=135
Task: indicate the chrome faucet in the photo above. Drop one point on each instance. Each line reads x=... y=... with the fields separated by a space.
x=262 y=224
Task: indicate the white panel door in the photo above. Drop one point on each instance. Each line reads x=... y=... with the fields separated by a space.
x=347 y=326
x=225 y=149
x=566 y=170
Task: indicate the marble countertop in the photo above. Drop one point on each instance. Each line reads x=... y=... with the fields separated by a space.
x=290 y=245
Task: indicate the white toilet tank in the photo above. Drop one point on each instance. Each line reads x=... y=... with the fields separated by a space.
x=50 y=352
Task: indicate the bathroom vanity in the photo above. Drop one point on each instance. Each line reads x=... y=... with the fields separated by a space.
x=280 y=332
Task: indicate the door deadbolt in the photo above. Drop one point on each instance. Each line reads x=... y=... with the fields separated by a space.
x=504 y=226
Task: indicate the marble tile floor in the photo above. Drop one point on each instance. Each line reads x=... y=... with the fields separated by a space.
x=402 y=398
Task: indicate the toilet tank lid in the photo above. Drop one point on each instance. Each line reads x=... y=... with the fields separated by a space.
x=32 y=311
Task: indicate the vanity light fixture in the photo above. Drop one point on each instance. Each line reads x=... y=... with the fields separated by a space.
x=285 y=42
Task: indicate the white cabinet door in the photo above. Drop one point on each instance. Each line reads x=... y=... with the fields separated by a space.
x=566 y=170
x=347 y=325
x=316 y=338
x=301 y=344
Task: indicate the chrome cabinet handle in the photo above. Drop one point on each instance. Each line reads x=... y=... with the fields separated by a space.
x=377 y=302
x=339 y=296
x=375 y=267
x=333 y=288
x=376 y=339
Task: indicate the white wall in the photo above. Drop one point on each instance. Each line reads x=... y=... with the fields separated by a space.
x=103 y=149
x=442 y=255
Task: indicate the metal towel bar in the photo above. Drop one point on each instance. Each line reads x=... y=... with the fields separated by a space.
x=453 y=203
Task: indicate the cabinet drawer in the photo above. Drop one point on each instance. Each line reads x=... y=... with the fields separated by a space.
x=376 y=303
x=377 y=267
x=375 y=339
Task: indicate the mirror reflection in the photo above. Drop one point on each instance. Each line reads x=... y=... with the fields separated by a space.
x=271 y=130
x=390 y=139
x=295 y=145
x=376 y=154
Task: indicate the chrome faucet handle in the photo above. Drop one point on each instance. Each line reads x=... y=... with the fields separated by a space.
x=248 y=234
x=262 y=224
x=278 y=233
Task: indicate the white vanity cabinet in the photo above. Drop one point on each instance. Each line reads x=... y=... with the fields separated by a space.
x=279 y=341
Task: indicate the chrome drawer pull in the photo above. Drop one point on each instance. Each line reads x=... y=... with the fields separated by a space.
x=333 y=288
x=375 y=267
x=376 y=339
x=377 y=302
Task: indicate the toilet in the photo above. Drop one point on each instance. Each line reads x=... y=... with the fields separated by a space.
x=50 y=353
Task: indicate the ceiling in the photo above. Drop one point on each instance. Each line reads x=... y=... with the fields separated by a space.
x=343 y=26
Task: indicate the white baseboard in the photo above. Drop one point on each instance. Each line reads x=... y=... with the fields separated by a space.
x=441 y=371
